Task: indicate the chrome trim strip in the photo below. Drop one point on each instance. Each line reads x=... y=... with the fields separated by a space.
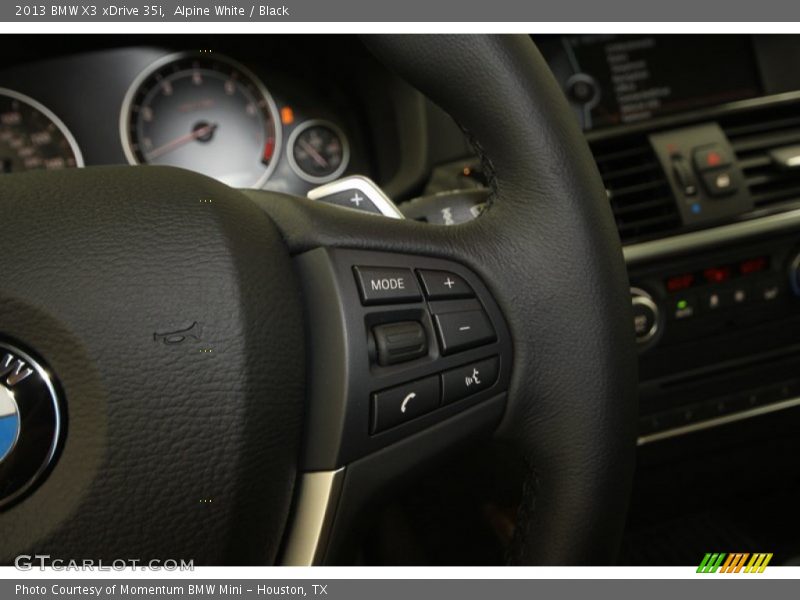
x=700 y=240
x=724 y=420
x=364 y=185
x=317 y=499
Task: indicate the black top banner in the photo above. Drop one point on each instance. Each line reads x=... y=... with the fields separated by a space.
x=463 y=11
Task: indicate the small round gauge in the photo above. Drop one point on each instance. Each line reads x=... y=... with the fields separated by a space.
x=32 y=137
x=205 y=113
x=318 y=151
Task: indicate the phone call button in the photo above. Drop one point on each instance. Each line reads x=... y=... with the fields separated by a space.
x=400 y=404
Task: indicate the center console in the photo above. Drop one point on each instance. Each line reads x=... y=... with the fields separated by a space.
x=698 y=143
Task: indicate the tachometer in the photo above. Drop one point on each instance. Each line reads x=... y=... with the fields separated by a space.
x=32 y=137
x=206 y=113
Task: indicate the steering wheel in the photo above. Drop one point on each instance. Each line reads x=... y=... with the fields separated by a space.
x=214 y=357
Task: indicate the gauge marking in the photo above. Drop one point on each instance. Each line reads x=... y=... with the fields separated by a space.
x=218 y=119
x=33 y=137
x=318 y=151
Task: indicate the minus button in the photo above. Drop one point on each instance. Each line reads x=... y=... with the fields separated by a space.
x=463 y=329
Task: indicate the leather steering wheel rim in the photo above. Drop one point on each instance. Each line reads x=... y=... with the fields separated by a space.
x=192 y=451
x=549 y=251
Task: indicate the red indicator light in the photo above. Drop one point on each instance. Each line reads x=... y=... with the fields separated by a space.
x=269 y=150
x=680 y=282
x=754 y=265
x=713 y=159
x=717 y=275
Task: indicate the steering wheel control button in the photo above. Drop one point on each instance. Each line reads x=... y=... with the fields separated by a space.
x=382 y=285
x=403 y=403
x=400 y=342
x=463 y=329
x=469 y=379
x=30 y=422
x=645 y=315
x=358 y=193
x=443 y=285
x=354 y=199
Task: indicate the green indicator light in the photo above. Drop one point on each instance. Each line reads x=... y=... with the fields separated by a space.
x=682 y=304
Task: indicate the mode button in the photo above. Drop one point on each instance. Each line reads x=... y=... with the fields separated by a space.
x=385 y=285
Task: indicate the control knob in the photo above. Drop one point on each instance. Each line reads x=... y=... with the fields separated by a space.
x=645 y=315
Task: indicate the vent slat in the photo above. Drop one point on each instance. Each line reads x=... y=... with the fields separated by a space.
x=761 y=126
x=651 y=223
x=625 y=209
x=753 y=135
x=766 y=141
x=625 y=172
x=640 y=196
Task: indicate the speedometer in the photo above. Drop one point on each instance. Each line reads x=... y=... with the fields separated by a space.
x=32 y=137
x=202 y=112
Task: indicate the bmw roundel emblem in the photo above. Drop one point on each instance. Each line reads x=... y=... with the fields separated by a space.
x=9 y=422
x=30 y=422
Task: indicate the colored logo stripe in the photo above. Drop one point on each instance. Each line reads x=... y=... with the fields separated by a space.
x=758 y=563
x=711 y=562
x=733 y=563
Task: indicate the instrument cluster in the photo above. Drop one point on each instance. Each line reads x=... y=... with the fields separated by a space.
x=198 y=110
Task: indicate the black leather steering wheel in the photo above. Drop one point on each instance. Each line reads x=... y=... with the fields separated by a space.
x=194 y=450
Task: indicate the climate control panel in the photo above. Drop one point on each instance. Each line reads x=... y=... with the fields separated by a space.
x=679 y=302
x=718 y=336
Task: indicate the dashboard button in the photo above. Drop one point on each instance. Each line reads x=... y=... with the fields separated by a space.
x=716 y=299
x=443 y=285
x=711 y=157
x=740 y=294
x=684 y=176
x=463 y=329
x=469 y=379
x=382 y=285
x=768 y=290
x=684 y=306
x=645 y=315
x=719 y=183
x=400 y=342
x=403 y=403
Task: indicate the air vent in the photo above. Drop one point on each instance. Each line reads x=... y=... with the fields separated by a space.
x=754 y=135
x=639 y=192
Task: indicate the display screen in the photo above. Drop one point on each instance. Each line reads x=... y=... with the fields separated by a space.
x=612 y=79
x=717 y=274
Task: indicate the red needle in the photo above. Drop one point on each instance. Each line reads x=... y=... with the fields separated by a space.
x=184 y=139
x=318 y=158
